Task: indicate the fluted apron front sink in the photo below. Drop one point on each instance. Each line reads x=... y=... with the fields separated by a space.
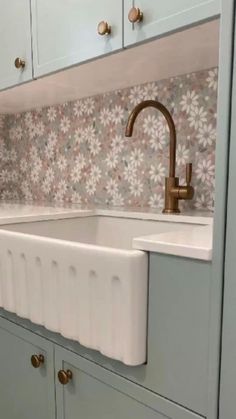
x=81 y=278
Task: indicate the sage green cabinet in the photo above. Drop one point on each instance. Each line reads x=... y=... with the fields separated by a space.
x=95 y=393
x=89 y=394
x=65 y=32
x=15 y=42
x=25 y=392
x=160 y=17
x=92 y=392
x=179 y=298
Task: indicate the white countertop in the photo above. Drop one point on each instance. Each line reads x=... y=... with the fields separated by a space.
x=196 y=243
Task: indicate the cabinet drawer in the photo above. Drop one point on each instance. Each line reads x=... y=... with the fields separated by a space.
x=65 y=32
x=160 y=17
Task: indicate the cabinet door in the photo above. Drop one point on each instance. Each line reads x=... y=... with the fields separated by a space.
x=25 y=392
x=91 y=393
x=65 y=32
x=160 y=17
x=15 y=42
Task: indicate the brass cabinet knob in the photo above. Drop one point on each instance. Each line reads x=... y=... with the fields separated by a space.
x=37 y=360
x=64 y=376
x=135 y=15
x=104 y=28
x=19 y=63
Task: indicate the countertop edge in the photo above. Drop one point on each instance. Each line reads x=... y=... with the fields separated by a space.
x=196 y=244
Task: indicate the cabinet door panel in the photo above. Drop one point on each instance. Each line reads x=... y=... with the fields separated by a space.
x=15 y=41
x=89 y=396
x=25 y=392
x=160 y=17
x=179 y=296
x=65 y=32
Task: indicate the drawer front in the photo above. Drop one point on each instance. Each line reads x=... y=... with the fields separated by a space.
x=25 y=392
x=160 y=17
x=65 y=32
x=15 y=42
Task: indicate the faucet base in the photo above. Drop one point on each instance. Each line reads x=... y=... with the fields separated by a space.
x=171 y=201
x=170 y=211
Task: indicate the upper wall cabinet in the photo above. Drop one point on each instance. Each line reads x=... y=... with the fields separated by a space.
x=144 y=19
x=15 y=42
x=69 y=32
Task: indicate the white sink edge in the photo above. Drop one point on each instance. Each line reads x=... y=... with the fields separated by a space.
x=133 y=252
x=20 y=213
x=163 y=243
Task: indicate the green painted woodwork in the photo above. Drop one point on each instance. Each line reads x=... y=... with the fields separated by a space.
x=94 y=392
x=90 y=396
x=25 y=392
x=78 y=39
x=228 y=363
x=222 y=151
x=15 y=41
x=161 y=17
x=178 y=330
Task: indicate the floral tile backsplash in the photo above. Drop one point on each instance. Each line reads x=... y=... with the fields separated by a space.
x=77 y=152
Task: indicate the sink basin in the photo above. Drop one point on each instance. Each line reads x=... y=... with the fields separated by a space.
x=80 y=277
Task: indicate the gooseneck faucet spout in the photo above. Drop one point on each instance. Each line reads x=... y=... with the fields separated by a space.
x=173 y=192
x=155 y=104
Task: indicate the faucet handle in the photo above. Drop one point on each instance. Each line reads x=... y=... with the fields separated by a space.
x=189 y=169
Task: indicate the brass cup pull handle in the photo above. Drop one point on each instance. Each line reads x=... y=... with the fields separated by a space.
x=135 y=15
x=19 y=63
x=37 y=360
x=104 y=28
x=64 y=376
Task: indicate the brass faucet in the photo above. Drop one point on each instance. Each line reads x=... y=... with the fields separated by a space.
x=173 y=192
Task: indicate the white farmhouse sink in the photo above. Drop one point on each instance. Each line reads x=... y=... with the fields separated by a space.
x=80 y=277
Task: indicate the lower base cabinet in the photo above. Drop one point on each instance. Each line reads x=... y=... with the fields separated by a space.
x=43 y=380
x=26 y=392
x=88 y=395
